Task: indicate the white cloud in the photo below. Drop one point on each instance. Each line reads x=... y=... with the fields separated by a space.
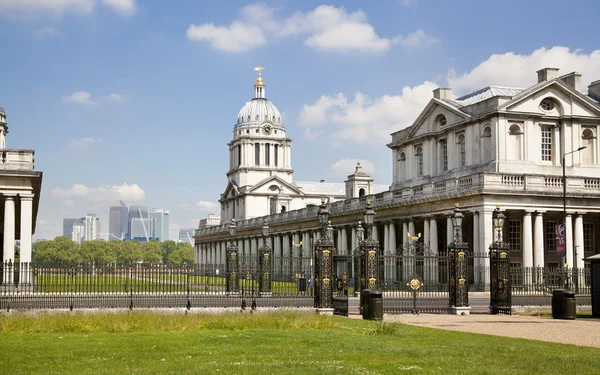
x=84 y=142
x=366 y=120
x=510 y=69
x=106 y=193
x=326 y=28
x=80 y=97
x=204 y=206
x=239 y=37
x=116 y=97
x=345 y=167
x=415 y=39
x=125 y=8
x=54 y=8
x=48 y=33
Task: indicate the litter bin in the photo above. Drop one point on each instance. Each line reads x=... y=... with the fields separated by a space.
x=564 y=305
x=375 y=305
x=364 y=303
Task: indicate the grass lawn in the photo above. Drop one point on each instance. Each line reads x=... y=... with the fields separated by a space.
x=266 y=343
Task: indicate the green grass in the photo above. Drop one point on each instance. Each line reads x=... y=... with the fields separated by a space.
x=270 y=343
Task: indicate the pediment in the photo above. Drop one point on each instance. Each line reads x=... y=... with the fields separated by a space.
x=273 y=186
x=565 y=101
x=437 y=115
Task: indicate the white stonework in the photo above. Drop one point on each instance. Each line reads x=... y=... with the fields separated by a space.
x=20 y=190
x=496 y=146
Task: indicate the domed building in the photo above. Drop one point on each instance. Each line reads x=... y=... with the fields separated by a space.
x=260 y=176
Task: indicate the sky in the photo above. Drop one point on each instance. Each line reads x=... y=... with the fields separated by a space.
x=135 y=100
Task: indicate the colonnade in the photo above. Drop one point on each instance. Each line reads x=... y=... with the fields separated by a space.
x=10 y=226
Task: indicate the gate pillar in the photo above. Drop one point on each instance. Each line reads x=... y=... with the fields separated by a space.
x=232 y=263
x=265 y=264
x=459 y=280
x=500 y=293
x=324 y=252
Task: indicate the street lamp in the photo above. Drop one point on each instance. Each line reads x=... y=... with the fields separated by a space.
x=498 y=220
x=232 y=261
x=564 y=183
x=459 y=285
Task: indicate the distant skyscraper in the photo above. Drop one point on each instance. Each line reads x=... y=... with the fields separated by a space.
x=87 y=228
x=118 y=221
x=186 y=235
x=140 y=228
x=78 y=233
x=68 y=226
x=160 y=224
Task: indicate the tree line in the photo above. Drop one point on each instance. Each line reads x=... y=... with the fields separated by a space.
x=64 y=251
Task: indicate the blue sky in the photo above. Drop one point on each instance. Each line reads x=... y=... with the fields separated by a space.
x=136 y=100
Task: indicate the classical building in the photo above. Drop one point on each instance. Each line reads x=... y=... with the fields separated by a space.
x=20 y=187
x=496 y=146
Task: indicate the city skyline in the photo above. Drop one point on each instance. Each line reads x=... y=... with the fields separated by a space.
x=146 y=109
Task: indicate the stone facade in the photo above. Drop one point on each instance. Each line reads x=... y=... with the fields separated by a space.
x=496 y=146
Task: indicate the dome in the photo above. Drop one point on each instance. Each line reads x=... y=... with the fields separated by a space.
x=259 y=110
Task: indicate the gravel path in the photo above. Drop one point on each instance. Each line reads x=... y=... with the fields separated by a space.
x=582 y=332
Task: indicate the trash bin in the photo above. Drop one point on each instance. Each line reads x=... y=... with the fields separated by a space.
x=302 y=284
x=375 y=305
x=364 y=303
x=564 y=305
x=569 y=305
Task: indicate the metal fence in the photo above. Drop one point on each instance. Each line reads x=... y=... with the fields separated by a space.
x=143 y=285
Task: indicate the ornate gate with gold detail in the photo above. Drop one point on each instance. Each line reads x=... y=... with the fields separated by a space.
x=342 y=271
x=500 y=288
x=415 y=280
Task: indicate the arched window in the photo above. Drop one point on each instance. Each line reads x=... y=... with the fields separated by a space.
x=257 y=117
x=361 y=193
x=486 y=144
x=401 y=171
x=462 y=150
x=444 y=154
x=588 y=139
x=239 y=155
x=514 y=142
x=419 y=160
x=257 y=153
x=283 y=209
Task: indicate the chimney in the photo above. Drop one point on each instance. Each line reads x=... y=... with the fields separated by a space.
x=442 y=93
x=572 y=79
x=547 y=74
x=594 y=90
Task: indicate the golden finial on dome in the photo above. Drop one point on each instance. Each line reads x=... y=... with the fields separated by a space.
x=259 y=69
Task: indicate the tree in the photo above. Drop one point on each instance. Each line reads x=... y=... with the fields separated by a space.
x=130 y=252
x=59 y=251
x=151 y=252
x=183 y=254
x=166 y=248
x=96 y=252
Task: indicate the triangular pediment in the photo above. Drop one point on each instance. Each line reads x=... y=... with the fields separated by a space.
x=274 y=185
x=566 y=100
x=429 y=119
x=231 y=190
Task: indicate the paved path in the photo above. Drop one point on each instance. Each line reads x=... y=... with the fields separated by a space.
x=582 y=332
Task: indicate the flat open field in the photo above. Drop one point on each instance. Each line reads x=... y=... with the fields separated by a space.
x=265 y=343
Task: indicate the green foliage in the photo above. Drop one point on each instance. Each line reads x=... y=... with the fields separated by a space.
x=151 y=252
x=166 y=248
x=183 y=254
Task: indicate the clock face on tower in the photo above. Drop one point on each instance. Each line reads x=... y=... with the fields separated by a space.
x=267 y=129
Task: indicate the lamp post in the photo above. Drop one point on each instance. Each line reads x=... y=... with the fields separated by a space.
x=368 y=250
x=565 y=264
x=265 y=263
x=459 y=284
x=500 y=289
x=232 y=261
x=324 y=249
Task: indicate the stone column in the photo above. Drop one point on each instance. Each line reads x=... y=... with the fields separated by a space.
x=426 y=232
x=538 y=241
x=486 y=237
x=392 y=243
x=527 y=248
x=405 y=239
x=569 y=240
x=386 y=239
x=477 y=252
x=9 y=231
x=433 y=245
x=387 y=270
x=344 y=248
x=579 y=250
x=411 y=227
x=374 y=232
x=449 y=231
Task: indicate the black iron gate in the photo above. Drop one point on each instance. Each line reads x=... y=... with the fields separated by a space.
x=415 y=280
x=500 y=283
x=343 y=283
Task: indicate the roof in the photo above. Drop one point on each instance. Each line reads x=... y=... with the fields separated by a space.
x=486 y=93
x=332 y=188
x=259 y=110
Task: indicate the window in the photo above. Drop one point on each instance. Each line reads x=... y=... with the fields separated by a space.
x=514 y=235
x=283 y=209
x=547 y=104
x=547 y=143
x=239 y=155
x=551 y=236
x=462 y=150
x=444 y=148
x=441 y=120
x=247 y=131
x=276 y=155
x=588 y=139
x=419 y=160
x=361 y=193
x=267 y=154
x=588 y=237
x=257 y=154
